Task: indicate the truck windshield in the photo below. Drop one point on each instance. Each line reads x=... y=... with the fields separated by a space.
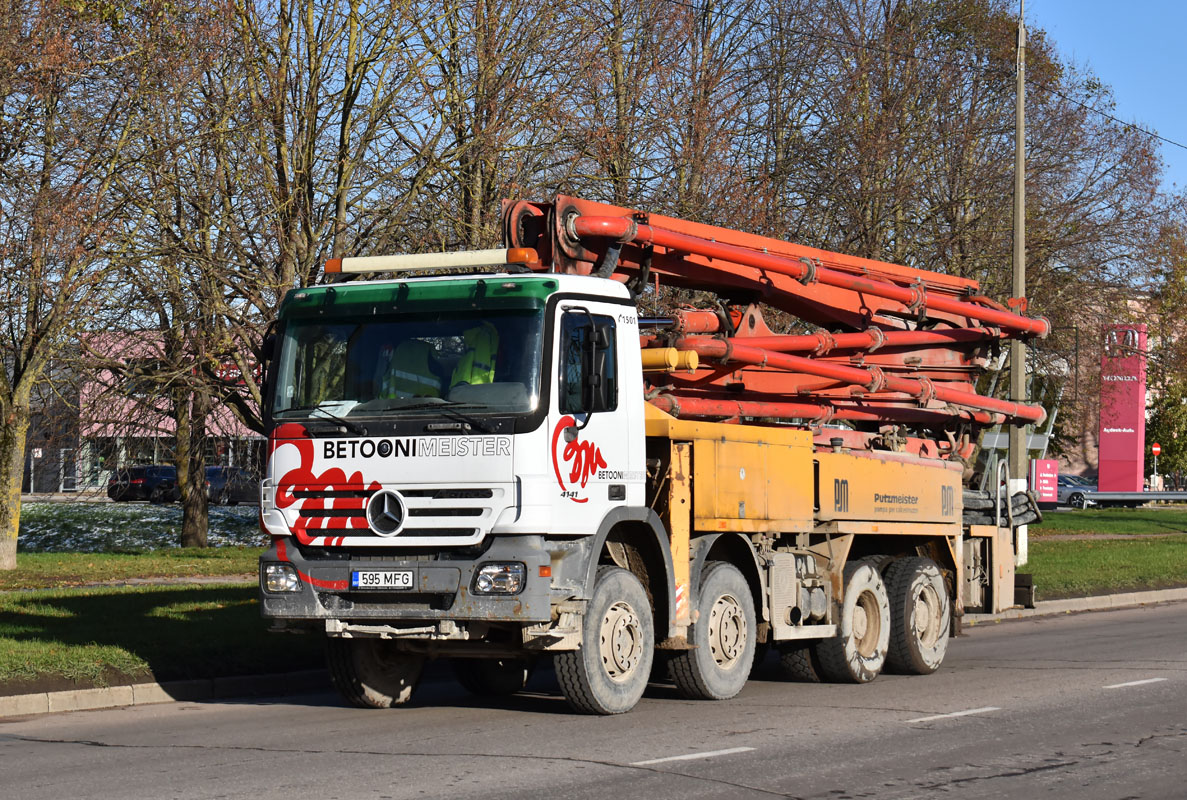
x=487 y=361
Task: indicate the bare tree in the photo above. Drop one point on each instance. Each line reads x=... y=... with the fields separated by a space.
x=69 y=79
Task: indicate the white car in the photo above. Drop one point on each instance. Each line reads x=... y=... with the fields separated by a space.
x=1072 y=489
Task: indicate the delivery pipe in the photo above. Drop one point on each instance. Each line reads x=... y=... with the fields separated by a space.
x=872 y=379
x=623 y=229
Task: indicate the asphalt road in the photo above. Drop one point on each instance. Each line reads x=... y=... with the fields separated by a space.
x=1092 y=706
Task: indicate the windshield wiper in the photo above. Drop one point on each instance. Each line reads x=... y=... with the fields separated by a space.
x=450 y=409
x=352 y=427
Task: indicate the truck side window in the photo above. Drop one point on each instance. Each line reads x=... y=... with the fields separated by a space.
x=588 y=363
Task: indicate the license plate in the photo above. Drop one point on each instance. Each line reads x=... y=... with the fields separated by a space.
x=381 y=579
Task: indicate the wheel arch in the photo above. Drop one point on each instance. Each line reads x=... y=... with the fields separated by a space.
x=732 y=548
x=636 y=540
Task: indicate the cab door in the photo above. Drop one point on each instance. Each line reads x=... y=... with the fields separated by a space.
x=588 y=435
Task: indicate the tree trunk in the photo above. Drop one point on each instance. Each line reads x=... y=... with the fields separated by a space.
x=12 y=469
x=191 y=470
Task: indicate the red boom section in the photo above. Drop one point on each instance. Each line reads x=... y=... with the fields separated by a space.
x=892 y=346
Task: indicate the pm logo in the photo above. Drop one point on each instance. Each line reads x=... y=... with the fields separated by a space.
x=580 y=460
x=840 y=494
x=947 y=501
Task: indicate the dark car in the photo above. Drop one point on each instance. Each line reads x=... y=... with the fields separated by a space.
x=226 y=486
x=154 y=482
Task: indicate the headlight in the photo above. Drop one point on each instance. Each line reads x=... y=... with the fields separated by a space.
x=499 y=578
x=281 y=578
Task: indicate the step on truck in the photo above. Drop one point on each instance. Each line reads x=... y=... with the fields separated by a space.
x=496 y=456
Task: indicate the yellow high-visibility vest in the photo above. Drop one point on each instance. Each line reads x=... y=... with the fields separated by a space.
x=477 y=364
x=410 y=372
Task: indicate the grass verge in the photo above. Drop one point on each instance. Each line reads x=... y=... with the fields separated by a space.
x=93 y=637
x=58 y=570
x=1083 y=568
x=1116 y=521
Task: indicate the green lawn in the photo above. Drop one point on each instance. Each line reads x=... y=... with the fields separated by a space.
x=1159 y=519
x=1079 y=568
x=57 y=570
x=97 y=636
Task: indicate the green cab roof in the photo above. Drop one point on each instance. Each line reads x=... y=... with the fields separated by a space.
x=420 y=294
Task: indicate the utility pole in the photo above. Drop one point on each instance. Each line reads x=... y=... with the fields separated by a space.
x=1019 y=463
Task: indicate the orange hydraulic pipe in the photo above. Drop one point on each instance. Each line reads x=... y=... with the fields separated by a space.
x=678 y=405
x=873 y=379
x=624 y=229
x=869 y=340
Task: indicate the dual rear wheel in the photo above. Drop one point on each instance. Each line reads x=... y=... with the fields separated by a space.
x=897 y=621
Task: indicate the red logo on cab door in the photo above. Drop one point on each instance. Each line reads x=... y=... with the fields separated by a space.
x=581 y=460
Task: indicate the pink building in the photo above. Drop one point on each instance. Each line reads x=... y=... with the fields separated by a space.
x=124 y=420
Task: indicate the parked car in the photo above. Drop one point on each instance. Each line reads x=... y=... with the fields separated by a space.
x=226 y=486
x=1072 y=489
x=156 y=483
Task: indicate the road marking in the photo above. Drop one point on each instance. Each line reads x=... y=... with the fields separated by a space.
x=1135 y=683
x=985 y=710
x=693 y=756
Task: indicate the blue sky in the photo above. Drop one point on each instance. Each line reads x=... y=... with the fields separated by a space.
x=1139 y=48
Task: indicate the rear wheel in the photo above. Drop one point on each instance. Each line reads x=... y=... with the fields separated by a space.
x=492 y=677
x=609 y=673
x=723 y=637
x=920 y=616
x=858 y=651
x=372 y=673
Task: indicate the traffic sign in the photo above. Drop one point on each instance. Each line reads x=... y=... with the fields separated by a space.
x=1156 y=448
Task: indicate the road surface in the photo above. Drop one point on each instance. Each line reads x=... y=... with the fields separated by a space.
x=1087 y=706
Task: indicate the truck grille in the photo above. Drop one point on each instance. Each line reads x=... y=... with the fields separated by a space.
x=434 y=513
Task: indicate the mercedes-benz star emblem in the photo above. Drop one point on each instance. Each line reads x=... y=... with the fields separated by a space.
x=385 y=512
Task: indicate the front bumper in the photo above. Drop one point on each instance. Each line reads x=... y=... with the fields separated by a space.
x=441 y=587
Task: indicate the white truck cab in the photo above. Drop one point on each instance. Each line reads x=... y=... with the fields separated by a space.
x=407 y=489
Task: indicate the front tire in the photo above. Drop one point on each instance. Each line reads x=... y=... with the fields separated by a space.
x=609 y=673
x=372 y=673
x=723 y=638
x=858 y=651
x=920 y=616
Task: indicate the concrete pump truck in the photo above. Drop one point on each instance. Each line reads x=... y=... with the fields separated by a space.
x=500 y=459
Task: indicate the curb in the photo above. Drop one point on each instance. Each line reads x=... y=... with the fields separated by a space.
x=138 y=694
x=1104 y=602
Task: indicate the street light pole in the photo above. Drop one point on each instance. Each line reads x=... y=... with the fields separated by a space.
x=1018 y=454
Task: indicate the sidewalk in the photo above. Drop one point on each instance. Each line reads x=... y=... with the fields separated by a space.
x=1104 y=602
x=318 y=680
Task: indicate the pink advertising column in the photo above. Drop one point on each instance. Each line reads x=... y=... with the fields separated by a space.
x=1122 y=408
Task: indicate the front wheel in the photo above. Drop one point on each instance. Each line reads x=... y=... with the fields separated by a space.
x=372 y=673
x=858 y=651
x=920 y=616
x=1077 y=501
x=723 y=637
x=609 y=673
